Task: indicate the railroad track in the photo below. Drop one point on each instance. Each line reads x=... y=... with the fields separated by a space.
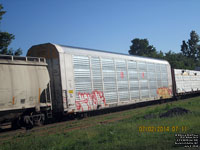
x=70 y=125
x=63 y=127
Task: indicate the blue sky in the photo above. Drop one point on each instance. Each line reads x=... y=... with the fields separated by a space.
x=101 y=24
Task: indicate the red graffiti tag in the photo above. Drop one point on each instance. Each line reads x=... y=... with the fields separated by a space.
x=143 y=75
x=122 y=75
x=93 y=100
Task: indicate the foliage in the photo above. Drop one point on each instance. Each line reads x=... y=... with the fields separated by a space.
x=6 y=39
x=141 y=47
x=179 y=61
x=119 y=135
x=191 y=48
x=188 y=58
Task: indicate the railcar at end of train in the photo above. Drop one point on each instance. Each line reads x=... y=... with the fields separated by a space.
x=24 y=90
x=185 y=82
x=85 y=80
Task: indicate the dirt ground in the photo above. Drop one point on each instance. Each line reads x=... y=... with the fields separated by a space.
x=177 y=111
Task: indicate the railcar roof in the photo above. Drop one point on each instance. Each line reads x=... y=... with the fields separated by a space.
x=80 y=50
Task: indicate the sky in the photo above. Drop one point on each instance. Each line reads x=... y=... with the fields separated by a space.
x=108 y=25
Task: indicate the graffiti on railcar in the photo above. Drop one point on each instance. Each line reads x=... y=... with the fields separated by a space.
x=121 y=75
x=164 y=92
x=92 y=100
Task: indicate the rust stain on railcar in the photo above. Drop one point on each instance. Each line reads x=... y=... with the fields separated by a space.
x=39 y=93
x=13 y=100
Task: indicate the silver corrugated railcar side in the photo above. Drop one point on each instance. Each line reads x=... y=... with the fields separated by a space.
x=86 y=80
x=187 y=81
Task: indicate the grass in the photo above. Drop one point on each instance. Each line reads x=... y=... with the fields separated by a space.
x=120 y=135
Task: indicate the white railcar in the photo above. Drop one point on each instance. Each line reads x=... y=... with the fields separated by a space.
x=24 y=87
x=187 y=81
x=85 y=80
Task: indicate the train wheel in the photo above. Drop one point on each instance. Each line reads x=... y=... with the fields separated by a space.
x=40 y=121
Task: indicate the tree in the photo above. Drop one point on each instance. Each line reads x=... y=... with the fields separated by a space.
x=6 y=39
x=184 y=49
x=191 y=48
x=141 y=47
x=188 y=58
x=179 y=61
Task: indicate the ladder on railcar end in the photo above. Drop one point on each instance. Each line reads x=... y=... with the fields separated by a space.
x=49 y=100
x=49 y=114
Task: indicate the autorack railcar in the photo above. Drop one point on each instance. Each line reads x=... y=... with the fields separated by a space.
x=85 y=80
x=186 y=81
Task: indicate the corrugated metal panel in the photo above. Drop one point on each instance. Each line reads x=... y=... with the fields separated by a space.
x=111 y=97
x=109 y=87
x=152 y=84
x=158 y=75
x=122 y=80
x=132 y=65
x=163 y=68
x=103 y=54
x=124 y=96
x=143 y=79
x=153 y=92
x=142 y=75
x=150 y=67
x=109 y=78
x=157 y=67
x=122 y=86
x=165 y=83
x=187 y=80
x=152 y=79
x=82 y=75
x=96 y=74
x=134 y=85
x=164 y=75
x=151 y=76
x=159 y=84
x=133 y=80
x=135 y=94
x=144 y=93
x=142 y=66
x=133 y=75
x=144 y=85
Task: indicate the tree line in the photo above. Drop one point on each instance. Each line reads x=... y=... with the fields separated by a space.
x=187 y=58
x=6 y=39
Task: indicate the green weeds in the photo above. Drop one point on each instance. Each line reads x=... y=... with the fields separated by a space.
x=120 y=135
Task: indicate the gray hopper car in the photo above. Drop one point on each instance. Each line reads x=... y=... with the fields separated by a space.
x=24 y=89
x=85 y=80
